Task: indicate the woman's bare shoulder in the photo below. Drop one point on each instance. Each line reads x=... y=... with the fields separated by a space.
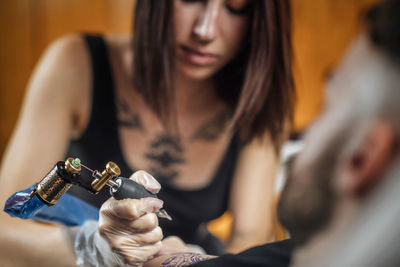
x=66 y=57
x=69 y=49
x=63 y=73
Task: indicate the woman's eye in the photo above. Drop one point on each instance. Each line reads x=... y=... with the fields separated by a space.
x=231 y=8
x=192 y=1
x=238 y=11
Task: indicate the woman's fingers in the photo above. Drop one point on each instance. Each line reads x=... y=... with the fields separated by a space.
x=129 y=209
x=148 y=181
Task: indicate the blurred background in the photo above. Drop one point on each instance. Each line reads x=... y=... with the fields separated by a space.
x=322 y=31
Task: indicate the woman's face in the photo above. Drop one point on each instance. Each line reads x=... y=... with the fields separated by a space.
x=209 y=34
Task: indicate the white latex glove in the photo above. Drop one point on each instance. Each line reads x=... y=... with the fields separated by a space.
x=127 y=233
x=174 y=244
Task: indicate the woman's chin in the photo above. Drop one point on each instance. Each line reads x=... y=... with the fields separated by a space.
x=196 y=73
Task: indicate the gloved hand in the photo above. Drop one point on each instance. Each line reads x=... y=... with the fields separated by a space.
x=127 y=233
x=174 y=244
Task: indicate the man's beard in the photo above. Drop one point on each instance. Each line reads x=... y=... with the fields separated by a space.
x=306 y=208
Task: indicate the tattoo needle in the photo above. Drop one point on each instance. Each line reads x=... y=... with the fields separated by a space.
x=162 y=213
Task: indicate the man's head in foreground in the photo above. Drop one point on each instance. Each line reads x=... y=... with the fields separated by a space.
x=351 y=150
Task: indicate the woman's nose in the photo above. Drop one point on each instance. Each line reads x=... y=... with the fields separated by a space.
x=205 y=28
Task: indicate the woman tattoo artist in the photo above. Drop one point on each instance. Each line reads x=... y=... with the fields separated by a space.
x=200 y=96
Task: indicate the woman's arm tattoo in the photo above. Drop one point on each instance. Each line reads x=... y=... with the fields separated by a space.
x=184 y=259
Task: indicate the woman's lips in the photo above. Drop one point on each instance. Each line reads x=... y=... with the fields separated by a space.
x=198 y=58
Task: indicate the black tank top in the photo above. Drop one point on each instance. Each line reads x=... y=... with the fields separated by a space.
x=100 y=143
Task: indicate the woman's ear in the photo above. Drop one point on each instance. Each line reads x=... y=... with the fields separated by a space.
x=366 y=166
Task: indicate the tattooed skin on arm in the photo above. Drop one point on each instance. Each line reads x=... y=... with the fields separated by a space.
x=184 y=259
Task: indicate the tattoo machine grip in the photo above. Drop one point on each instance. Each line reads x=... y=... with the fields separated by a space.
x=129 y=189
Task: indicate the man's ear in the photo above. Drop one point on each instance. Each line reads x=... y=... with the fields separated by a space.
x=367 y=165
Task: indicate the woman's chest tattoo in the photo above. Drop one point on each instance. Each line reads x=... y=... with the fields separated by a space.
x=127 y=118
x=210 y=130
x=165 y=155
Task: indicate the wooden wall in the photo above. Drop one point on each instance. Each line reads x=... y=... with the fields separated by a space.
x=322 y=31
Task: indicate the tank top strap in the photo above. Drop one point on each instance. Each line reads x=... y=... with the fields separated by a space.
x=103 y=105
x=99 y=142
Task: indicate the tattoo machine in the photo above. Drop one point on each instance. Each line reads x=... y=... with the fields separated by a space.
x=66 y=173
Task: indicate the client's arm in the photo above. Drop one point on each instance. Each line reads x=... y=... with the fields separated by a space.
x=177 y=259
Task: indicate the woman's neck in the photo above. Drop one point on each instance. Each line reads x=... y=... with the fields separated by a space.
x=193 y=95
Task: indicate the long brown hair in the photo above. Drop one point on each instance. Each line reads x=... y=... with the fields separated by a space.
x=257 y=84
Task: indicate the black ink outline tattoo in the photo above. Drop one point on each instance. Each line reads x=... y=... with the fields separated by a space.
x=211 y=130
x=165 y=159
x=127 y=118
x=184 y=259
x=166 y=140
x=165 y=153
x=165 y=175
